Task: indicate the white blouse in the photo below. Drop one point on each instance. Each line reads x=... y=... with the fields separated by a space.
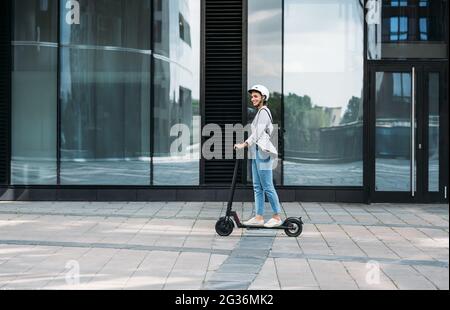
x=262 y=129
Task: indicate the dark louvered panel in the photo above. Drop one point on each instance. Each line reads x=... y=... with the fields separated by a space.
x=221 y=172
x=223 y=76
x=5 y=87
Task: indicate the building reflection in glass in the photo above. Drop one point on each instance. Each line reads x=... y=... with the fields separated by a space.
x=105 y=94
x=34 y=93
x=323 y=93
x=393 y=131
x=177 y=91
x=434 y=132
x=265 y=65
x=407 y=29
x=412 y=21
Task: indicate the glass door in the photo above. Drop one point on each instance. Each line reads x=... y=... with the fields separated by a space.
x=435 y=134
x=409 y=153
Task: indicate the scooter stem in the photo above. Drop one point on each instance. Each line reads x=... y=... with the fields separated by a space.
x=233 y=187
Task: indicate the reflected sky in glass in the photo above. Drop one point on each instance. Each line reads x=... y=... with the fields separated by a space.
x=323 y=90
x=324 y=38
x=264 y=42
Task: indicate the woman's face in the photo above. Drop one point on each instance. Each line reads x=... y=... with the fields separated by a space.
x=256 y=99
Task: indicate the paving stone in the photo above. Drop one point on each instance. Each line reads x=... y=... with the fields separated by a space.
x=295 y=273
x=267 y=278
x=158 y=246
x=227 y=285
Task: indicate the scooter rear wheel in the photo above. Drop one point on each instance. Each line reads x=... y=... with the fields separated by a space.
x=224 y=226
x=295 y=227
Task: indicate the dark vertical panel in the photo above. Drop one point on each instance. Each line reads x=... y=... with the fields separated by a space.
x=58 y=104
x=5 y=89
x=223 y=80
x=444 y=118
x=366 y=141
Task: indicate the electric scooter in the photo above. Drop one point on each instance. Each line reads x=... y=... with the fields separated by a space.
x=292 y=226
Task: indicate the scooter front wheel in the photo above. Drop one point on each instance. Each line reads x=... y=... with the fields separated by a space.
x=295 y=227
x=224 y=226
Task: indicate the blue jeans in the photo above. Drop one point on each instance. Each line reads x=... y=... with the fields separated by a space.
x=263 y=182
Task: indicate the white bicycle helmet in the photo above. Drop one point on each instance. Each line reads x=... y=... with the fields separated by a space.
x=262 y=90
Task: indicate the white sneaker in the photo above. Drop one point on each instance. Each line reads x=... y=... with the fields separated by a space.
x=273 y=223
x=254 y=222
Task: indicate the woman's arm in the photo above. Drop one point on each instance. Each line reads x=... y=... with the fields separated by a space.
x=241 y=146
x=263 y=122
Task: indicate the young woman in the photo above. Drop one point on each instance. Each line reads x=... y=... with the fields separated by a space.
x=262 y=164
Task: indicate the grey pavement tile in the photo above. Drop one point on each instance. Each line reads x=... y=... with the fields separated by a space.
x=250 y=253
x=171 y=241
x=188 y=271
x=90 y=264
x=368 y=243
x=411 y=242
x=62 y=262
x=407 y=251
x=221 y=243
x=433 y=219
x=369 y=276
x=241 y=268
x=295 y=273
x=317 y=249
x=267 y=278
x=146 y=283
x=232 y=277
x=389 y=219
x=216 y=260
x=290 y=245
x=9 y=251
x=246 y=260
x=436 y=234
x=158 y=263
x=332 y=275
x=14 y=273
x=407 y=278
x=184 y=284
x=437 y=275
x=230 y=285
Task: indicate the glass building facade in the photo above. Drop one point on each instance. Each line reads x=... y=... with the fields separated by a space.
x=324 y=129
x=105 y=92
x=115 y=93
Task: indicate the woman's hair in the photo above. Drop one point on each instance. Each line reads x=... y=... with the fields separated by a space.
x=264 y=100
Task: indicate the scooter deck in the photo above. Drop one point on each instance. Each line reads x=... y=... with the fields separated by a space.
x=282 y=227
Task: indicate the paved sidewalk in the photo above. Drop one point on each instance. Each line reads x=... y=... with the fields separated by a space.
x=154 y=246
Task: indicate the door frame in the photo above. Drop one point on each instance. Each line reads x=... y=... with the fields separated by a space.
x=422 y=69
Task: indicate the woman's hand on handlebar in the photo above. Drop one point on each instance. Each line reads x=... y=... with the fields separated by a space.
x=240 y=146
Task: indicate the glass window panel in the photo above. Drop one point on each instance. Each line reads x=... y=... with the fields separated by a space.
x=399 y=3
x=34 y=93
x=423 y=29
x=177 y=93
x=393 y=131
x=265 y=23
x=410 y=19
x=433 y=132
x=105 y=94
x=409 y=23
x=323 y=93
